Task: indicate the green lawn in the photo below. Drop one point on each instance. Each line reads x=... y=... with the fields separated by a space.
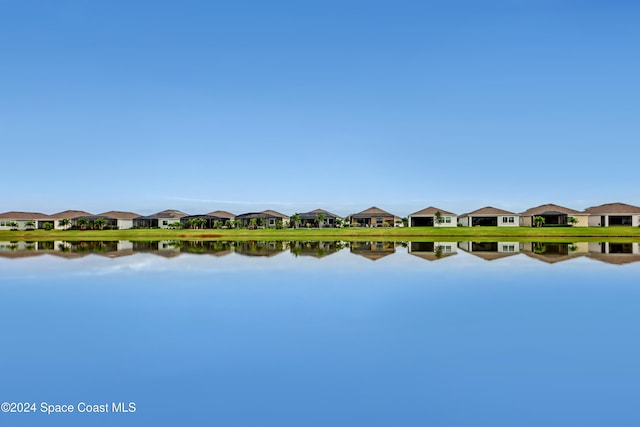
x=413 y=233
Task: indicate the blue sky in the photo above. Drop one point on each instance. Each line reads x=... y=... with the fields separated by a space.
x=294 y=105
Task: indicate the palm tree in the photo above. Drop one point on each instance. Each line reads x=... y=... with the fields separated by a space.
x=193 y=223
x=295 y=220
x=538 y=221
x=64 y=223
x=320 y=220
x=13 y=225
x=82 y=223
x=217 y=224
x=252 y=223
x=30 y=225
x=99 y=223
x=572 y=220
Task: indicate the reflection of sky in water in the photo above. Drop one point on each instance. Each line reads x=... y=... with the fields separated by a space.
x=339 y=341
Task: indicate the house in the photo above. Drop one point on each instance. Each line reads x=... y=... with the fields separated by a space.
x=553 y=215
x=70 y=215
x=611 y=214
x=373 y=217
x=210 y=219
x=489 y=216
x=433 y=217
x=309 y=219
x=123 y=220
x=267 y=219
x=162 y=219
x=24 y=220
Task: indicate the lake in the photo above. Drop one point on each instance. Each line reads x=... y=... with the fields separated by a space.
x=251 y=333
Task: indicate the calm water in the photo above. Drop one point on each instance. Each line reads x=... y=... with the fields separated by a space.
x=323 y=334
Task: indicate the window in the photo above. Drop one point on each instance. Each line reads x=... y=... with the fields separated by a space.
x=507 y=219
x=165 y=222
x=2 y=224
x=508 y=248
x=379 y=221
x=446 y=219
x=272 y=221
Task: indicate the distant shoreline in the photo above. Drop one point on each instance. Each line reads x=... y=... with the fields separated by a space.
x=403 y=233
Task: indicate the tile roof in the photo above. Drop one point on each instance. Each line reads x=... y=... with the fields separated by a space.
x=431 y=211
x=550 y=208
x=613 y=208
x=489 y=210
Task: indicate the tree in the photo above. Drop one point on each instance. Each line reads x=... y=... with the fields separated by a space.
x=30 y=225
x=217 y=224
x=261 y=222
x=176 y=225
x=538 y=221
x=320 y=218
x=64 y=223
x=48 y=226
x=572 y=220
x=82 y=223
x=279 y=224
x=295 y=220
x=339 y=222
x=13 y=225
x=99 y=223
x=227 y=223
x=253 y=223
x=438 y=218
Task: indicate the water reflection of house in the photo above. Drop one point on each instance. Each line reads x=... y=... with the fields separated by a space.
x=489 y=217
x=612 y=214
x=316 y=249
x=373 y=217
x=432 y=251
x=552 y=252
x=490 y=251
x=163 y=248
x=428 y=217
x=553 y=215
x=208 y=247
x=614 y=252
x=162 y=219
x=372 y=250
x=259 y=248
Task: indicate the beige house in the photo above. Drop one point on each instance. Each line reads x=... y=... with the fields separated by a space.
x=373 y=217
x=123 y=220
x=611 y=214
x=428 y=217
x=489 y=217
x=71 y=215
x=24 y=220
x=554 y=215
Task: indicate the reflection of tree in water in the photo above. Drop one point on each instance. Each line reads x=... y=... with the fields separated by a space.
x=539 y=248
x=438 y=251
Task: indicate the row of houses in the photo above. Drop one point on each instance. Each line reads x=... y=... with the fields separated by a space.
x=611 y=214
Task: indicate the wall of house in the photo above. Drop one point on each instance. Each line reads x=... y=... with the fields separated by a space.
x=125 y=224
x=453 y=221
x=21 y=223
x=515 y=223
x=464 y=221
x=583 y=220
x=595 y=221
x=525 y=221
